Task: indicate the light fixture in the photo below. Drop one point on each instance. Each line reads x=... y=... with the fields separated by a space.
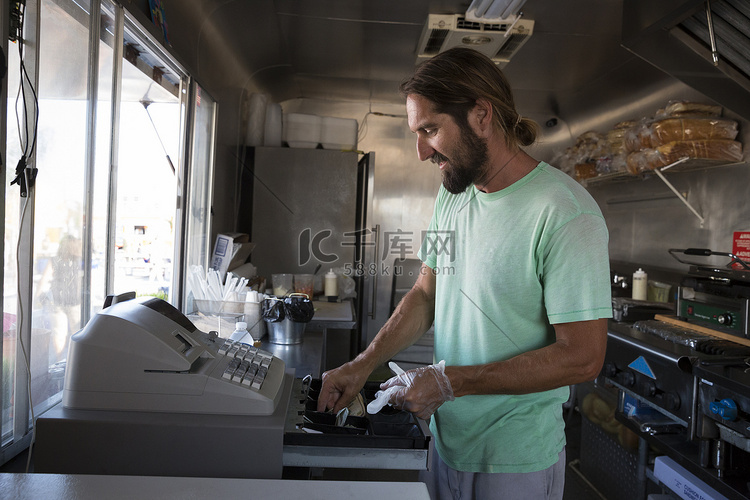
x=476 y=40
x=491 y=10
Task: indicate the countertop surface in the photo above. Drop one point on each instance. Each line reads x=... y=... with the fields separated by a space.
x=306 y=357
x=83 y=487
x=333 y=311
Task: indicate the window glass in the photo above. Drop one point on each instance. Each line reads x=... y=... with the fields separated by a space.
x=147 y=179
x=60 y=195
x=13 y=204
x=199 y=209
x=102 y=160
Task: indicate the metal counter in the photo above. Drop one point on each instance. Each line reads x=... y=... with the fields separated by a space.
x=306 y=358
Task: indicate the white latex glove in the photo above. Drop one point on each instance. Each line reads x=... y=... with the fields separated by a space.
x=420 y=391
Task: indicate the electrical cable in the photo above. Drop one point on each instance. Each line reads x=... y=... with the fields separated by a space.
x=362 y=132
x=25 y=177
x=19 y=337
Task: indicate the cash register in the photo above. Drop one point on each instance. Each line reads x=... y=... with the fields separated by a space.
x=143 y=354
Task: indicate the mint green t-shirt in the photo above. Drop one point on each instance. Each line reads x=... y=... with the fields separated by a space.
x=508 y=266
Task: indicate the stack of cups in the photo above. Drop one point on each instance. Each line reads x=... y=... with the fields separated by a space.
x=255 y=324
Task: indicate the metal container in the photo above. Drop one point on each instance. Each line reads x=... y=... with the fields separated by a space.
x=286 y=318
x=285 y=331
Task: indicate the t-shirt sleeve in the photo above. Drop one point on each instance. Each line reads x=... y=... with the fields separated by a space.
x=575 y=271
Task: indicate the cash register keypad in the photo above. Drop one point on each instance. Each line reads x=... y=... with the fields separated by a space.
x=248 y=365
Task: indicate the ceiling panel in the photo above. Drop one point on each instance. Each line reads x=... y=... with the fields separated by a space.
x=362 y=49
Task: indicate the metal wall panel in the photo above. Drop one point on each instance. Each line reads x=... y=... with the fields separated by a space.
x=298 y=194
x=643 y=216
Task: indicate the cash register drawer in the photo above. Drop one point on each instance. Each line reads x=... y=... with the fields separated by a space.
x=390 y=439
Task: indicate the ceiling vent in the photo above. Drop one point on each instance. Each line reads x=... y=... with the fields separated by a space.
x=723 y=32
x=706 y=45
x=498 y=40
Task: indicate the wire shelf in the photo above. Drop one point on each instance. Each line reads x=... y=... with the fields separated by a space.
x=680 y=166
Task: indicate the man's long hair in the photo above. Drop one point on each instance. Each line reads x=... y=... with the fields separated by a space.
x=455 y=79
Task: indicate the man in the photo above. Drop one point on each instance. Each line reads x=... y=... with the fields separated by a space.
x=519 y=295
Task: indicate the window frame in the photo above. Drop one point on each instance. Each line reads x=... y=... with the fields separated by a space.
x=126 y=22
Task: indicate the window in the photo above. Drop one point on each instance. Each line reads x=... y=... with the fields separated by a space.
x=197 y=250
x=108 y=207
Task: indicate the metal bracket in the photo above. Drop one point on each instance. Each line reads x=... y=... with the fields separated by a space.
x=658 y=172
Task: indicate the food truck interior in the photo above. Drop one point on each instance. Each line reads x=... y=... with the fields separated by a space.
x=168 y=164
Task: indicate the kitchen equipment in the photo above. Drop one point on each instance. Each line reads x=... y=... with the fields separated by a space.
x=625 y=309
x=717 y=297
x=687 y=374
x=320 y=218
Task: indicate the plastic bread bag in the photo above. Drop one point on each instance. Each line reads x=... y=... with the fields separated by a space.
x=641 y=161
x=613 y=163
x=616 y=137
x=690 y=108
x=637 y=137
x=585 y=171
x=682 y=129
x=717 y=149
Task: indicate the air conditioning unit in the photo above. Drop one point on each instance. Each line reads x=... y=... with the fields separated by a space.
x=499 y=40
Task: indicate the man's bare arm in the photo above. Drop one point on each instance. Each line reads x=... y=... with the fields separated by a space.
x=412 y=317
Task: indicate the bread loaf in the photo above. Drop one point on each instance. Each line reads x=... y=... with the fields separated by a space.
x=714 y=149
x=682 y=129
x=687 y=108
x=666 y=154
x=585 y=171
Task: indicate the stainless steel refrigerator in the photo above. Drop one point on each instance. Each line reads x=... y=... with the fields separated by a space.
x=310 y=208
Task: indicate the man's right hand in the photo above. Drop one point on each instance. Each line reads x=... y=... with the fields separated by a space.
x=341 y=385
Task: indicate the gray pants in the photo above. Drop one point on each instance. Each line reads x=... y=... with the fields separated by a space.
x=445 y=483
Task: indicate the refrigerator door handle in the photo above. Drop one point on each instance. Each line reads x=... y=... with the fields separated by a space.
x=374 y=277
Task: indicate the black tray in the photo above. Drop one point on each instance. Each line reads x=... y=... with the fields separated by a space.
x=390 y=428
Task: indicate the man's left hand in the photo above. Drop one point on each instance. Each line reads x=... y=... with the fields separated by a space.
x=420 y=391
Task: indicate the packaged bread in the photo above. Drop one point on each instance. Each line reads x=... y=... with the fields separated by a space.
x=616 y=137
x=666 y=154
x=585 y=171
x=637 y=137
x=566 y=162
x=664 y=131
x=712 y=149
x=645 y=159
x=688 y=108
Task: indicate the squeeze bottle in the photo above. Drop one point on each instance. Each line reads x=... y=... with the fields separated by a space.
x=640 y=285
x=331 y=284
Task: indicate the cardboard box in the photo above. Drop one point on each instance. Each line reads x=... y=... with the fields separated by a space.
x=683 y=483
x=231 y=250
